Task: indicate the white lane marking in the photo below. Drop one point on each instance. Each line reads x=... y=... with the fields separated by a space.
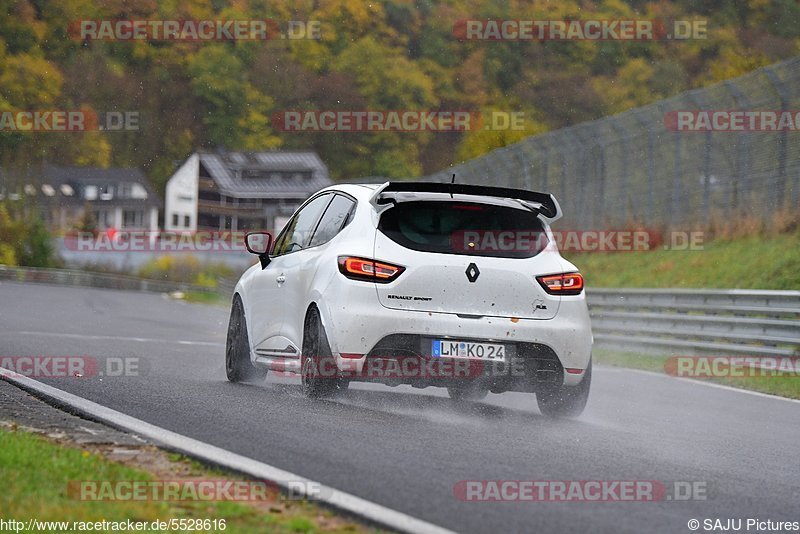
x=698 y=383
x=119 y=338
x=371 y=511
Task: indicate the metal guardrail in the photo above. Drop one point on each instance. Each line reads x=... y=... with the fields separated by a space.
x=91 y=279
x=697 y=321
x=650 y=320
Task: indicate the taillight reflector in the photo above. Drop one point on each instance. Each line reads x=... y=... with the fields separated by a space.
x=562 y=284
x=368 y=269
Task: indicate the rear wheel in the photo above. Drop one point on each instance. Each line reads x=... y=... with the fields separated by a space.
x=468 y=392
x=566 y=401
x=318 y=372
x=238 y=366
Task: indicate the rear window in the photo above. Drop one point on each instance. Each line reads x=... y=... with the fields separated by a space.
x=470 y=229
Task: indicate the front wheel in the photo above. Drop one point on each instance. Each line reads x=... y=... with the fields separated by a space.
x=566 y=401
x=238 y=366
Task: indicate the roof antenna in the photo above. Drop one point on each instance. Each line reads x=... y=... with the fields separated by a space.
x=452 y=181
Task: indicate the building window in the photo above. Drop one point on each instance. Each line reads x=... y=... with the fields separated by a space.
x=132 y=218
x=174 y=219
x=250 y=223
x=104 y=219
x=207 y=221
x=208 y=195
x=186 y=221
x=106 y=192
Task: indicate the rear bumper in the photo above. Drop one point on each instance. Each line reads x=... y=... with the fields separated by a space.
x=359 y=327
x=407 y=359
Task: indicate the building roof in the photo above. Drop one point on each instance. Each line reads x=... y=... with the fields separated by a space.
x=269 y=174
x=68 y=185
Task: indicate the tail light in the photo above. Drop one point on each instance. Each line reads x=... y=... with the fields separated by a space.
x=368 y=269
x=562 y=284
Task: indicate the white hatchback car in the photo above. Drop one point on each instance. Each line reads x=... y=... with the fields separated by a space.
x=428 y=284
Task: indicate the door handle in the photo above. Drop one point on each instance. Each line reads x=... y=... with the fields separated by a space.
x=280 y=279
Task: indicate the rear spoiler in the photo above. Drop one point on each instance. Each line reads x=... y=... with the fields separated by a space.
x=547 y=204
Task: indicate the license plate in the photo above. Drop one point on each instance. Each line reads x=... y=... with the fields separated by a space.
x=468 y=350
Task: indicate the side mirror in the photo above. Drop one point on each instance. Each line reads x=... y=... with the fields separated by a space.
x=260 y=244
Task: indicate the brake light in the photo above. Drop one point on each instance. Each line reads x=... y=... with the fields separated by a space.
x=368 y=269
x=562 y=284
x=468 y=207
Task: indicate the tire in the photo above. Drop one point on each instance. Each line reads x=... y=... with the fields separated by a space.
x=566 y=401
x=317 y=365
x=470 y=392
x=238 y=366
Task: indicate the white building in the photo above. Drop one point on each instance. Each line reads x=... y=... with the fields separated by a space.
x=119 y=198
x=224 y=190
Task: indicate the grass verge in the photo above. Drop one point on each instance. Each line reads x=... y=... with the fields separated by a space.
x=206 y=297
x=37 y=472
x=784 y=385
x=758 y=262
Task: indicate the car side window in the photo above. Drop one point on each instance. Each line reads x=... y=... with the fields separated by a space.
x=332 y=220
x=298 y=232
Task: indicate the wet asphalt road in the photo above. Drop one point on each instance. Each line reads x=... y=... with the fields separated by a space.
x=406 y=448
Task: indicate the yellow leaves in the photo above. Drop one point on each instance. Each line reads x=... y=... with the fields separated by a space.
x=350 y=18
x=733 y=58
x=639 y=82
x=732 y=63
x=91 y=149
x=254 y=123
x=629 y=88
x=8 y=255
x=30 y=82
x=311 y=54
x=471 y=81
x=386 y=77
x=491 y=133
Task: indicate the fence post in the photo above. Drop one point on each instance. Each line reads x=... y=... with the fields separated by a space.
x=623 y=178
x=582 y=178
x=780 y=187
x=743 y=147
x=707 y=146
x=526 y=175
x=677 y=174
x=563 y=185
x=651 y=152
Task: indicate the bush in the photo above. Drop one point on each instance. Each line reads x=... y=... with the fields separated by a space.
x=24 y=239
x=186 y=269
